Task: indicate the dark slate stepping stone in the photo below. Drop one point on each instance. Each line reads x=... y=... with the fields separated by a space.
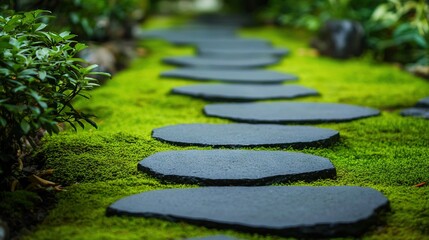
x=233 y=45
x=289 y=112
x=246 y=135
x=241 y=53
x=423 y=103
x=236 y=167
x=217 y=237
x=233 y=76
x=201 y=62
x=416 y=112
x=284 y=210
x=206 y=40
x=240 y=92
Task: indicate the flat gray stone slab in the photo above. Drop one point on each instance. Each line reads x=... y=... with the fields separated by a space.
x=201 y=62
x=236 y=167
x=240 y=92
x=220 y=42
x=423 y=103
x=416 y=112
x=246 y=135
x=241 y=53
x=232 y=76
x=289 y=112
x=284 y=210
x=233 y=45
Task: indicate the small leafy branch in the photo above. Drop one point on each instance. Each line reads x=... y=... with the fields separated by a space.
x=39 y=78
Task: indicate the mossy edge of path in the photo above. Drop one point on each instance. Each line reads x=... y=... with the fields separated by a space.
x=388 y=153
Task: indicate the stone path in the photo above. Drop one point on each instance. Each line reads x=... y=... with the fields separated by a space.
x=250 y=76
x=300 y=211
x=238 y=92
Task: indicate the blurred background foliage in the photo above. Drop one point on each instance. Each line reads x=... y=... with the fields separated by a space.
x=395 y=30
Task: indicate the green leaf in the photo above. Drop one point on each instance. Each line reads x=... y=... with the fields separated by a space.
x=3 y=121
x=25 y=126
x=42 y=74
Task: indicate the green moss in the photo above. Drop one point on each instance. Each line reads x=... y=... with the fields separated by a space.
x=388 y=153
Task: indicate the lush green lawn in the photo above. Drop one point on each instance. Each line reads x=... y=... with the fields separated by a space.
x=388 y=153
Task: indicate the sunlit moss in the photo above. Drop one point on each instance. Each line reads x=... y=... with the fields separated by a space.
x=388 y=153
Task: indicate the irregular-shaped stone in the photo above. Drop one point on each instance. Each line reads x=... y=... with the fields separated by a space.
x=201 y=62
x=246 y=135
x=236 y=167
x=233 y=76
x=416 y=112
x=240 y=92
x=241 y=53
x=284 y=210
x=423 y=103
x=203 y=41
x=233 y=46
x=289 y=112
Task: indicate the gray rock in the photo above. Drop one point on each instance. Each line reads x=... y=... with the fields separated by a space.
x=218 y=63
x=423 y=103
x=241 y=53
x=289 y=112
x=231 y=45
x=233 y=76
x=416 y=112
x=246 y=135
x=240 y=92
x=236 y=167
x=283 y=210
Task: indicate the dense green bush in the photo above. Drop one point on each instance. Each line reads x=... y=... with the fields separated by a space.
x=95 y=20
x=40 y=77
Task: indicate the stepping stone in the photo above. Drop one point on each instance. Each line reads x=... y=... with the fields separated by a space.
x=241 y=53
x=246 y=135
x=220 y=63
x=217 y=237
x=416 y=112
x=234 y=45
x=206 y=40
x=233 y=76
x=240 y=92
x=289 y=112
x=423 y=103
x=297 y=211
x=236 y=167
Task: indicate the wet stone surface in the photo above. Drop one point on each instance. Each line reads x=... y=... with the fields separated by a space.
x=284 y=210
x=236 y=167
x=289 y=112
x=240 y=92
x=246 y=135
x=219 y=63
x=249 y=76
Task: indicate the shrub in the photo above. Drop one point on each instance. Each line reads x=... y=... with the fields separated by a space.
x=40 y=77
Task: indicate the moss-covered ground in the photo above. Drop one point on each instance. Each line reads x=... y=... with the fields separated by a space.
x=389 y=153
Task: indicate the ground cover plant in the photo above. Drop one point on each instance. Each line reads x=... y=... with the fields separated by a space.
x=388 y=153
